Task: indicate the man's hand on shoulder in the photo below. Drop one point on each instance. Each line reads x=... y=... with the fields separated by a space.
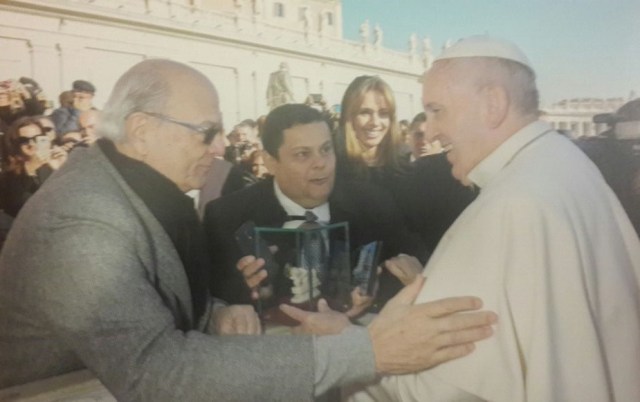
x=408 y=338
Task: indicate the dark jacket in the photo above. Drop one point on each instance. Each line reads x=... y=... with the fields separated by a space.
x=431 y=198
x=17 y=188
x=371 y=214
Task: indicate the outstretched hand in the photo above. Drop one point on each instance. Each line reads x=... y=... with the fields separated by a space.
x=360 y=302
x=323 y=322
x=404 y=267
x=408 y=338
x=236 y=320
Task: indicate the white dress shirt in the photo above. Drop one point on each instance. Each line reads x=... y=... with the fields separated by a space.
x=293 y=209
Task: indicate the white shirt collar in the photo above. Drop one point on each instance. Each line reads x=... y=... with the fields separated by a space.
x=501 y=156
x=291 y=208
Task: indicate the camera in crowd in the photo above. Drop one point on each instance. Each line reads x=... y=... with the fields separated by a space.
x=239 y=151
x=15 y=92
x=244 y=147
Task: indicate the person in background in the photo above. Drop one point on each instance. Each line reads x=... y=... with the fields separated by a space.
x=405 y=147
x=20 y=98
x=31 y=159
x=112 y=278
x=48 y=128
x=299 y=154
x=418 y=143
x=66 y=99
x=546 y=243
x=66 y=117
x=250 y=128
x=616 y=153
x=368 y=147
x=249 y=171
x=257 y=166
x=88 y=122
x=368 y=140
x=239 y=146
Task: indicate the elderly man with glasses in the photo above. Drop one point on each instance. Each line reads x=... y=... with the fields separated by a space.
x=105 y=270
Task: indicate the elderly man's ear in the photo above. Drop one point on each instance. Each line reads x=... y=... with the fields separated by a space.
x=137 y=132
x=496 y=105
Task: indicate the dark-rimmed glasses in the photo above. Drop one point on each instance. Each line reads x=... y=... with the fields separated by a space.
x=209 y=132
x=28 y=140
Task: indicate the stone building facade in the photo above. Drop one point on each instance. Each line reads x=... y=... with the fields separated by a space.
x=236 y=43
x=575 y=116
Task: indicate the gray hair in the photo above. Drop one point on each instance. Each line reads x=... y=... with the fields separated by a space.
x=520 y=82
x=145 y=87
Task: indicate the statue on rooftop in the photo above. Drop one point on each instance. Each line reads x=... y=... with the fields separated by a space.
x=377 y=36
x=279 y=88
x=364 y=31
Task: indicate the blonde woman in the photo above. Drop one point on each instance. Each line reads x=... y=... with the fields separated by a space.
x=368 y=139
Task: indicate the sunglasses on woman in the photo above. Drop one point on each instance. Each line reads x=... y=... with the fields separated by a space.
x=28 y=140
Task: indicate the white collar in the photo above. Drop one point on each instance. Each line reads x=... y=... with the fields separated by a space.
x=501 y=156
x=293 y=209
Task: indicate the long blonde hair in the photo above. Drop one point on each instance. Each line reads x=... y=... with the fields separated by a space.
x=350 y=150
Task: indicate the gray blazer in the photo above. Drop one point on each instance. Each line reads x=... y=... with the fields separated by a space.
x=88 y=278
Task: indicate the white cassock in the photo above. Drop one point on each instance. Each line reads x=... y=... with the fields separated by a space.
x=548 y=247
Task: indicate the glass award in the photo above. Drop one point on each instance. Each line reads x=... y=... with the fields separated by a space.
x=303 y=264
x=365 y=275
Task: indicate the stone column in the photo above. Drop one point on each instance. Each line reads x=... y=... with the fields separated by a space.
x=46 y=67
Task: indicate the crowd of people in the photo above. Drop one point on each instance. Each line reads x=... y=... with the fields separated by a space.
x=34 y=143
x=108 y=265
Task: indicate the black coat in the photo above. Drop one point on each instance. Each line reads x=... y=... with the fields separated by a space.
x=17 y=188
x=372 y=215
x=431 y=198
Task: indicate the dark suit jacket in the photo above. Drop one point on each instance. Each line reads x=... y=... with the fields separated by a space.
x=431 y=198
x=372 y=215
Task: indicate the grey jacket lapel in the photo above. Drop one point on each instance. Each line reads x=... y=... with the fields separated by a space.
x=161 y=259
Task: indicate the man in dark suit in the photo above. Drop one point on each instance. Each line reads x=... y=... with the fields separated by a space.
x=299 y=154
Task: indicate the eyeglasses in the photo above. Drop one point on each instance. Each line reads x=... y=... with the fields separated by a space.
x=28 y=140
x=209 y=132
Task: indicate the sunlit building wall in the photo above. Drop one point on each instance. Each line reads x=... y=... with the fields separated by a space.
x=237 y=44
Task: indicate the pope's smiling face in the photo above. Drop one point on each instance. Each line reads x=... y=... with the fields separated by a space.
x=453 y=106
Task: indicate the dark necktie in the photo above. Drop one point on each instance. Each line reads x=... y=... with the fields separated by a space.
x=313 y=248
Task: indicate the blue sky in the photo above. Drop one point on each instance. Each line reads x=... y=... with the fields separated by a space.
x=579 y=48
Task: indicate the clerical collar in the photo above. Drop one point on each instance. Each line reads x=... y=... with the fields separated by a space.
x=293 y=209
x=490 y=166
